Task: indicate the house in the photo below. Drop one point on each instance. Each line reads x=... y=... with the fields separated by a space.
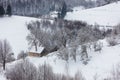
x=33 y=53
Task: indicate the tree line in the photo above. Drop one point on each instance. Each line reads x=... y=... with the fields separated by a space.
x=38 y=8
x=8 y=11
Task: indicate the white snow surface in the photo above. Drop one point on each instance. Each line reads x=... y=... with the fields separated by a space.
x=105 y=15
x=15 y=31
x=2 y=76
x=101 y=63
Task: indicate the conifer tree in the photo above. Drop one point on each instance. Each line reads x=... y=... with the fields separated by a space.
x=2 y=11
x=64 y=10
x=9 y=10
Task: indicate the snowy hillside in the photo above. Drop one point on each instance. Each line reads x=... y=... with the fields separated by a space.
x=15 y=31
x=105 y=15
x=100 y=64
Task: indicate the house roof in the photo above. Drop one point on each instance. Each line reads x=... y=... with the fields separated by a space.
x=40 y=49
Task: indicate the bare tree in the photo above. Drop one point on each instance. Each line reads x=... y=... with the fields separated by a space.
x=5 y=51
x=45 y=72
x=64 y=54
x=22 y=55
x=79 y=76
x=23 y=70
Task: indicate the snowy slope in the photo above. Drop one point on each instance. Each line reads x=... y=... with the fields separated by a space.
x=2 y=77
x=105 y=15
x=100 y=64
x=15 y=31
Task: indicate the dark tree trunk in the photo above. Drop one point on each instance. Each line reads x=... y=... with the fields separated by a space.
x=35 y=47
x=4 y=64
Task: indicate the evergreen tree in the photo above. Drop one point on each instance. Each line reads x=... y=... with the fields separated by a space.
x=64 y=10
x=9 y=10
x=2 y=11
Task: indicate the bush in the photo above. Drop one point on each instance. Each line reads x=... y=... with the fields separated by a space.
x=111 y=41
x=97 y=46
x=22 y=55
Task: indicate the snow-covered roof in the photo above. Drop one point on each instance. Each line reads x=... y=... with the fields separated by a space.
x=39 y=50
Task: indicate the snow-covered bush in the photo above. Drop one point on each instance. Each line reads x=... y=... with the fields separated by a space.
x=84 y=54
x=97 y=46
x=112 y=41
x=22 y=55
x=10 y=58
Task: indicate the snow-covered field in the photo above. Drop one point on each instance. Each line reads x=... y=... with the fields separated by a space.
x=2 y=76
x=15 y=31
x=101 y=63
x=105 y=15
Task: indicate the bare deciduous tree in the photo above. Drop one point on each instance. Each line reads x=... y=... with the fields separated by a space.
x=23 y=70
x=45 y=72
x=79 y=76
x=5 y=52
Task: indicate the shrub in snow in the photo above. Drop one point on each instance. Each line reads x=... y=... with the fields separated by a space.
x=22 y=55
x=116 y=30
x=97 y=46
x=10 y=57
x=112 y=41
x=84 y=53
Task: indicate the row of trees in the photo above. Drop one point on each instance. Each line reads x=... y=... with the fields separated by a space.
x=25 y=70
x=41 y=7
x=7 y=12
